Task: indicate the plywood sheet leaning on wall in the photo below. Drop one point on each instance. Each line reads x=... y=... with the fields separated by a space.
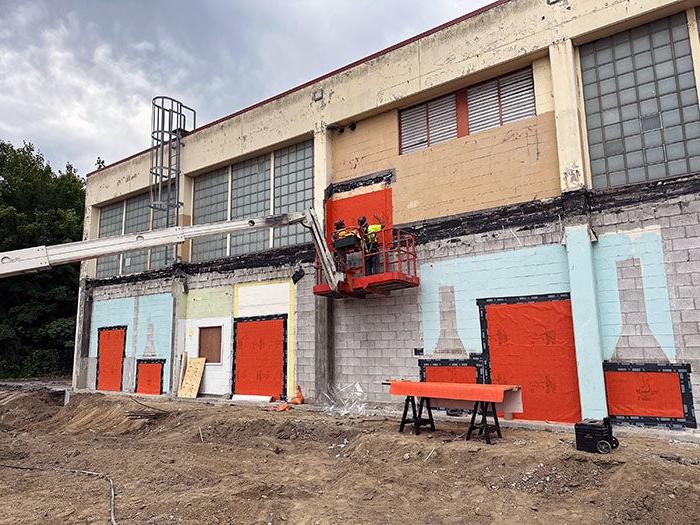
x=192 y=378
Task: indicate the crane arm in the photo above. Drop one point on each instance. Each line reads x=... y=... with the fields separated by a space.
x=38 y=258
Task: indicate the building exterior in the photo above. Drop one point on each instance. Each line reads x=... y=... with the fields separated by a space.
x=544 y=153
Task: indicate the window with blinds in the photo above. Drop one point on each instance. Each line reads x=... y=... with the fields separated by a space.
x=428 y=124
x=501 y=100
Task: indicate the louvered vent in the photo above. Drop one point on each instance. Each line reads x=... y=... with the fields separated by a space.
x=442 y=119
x=502 y=100
x=484 y=112
x=414 y=129
x=517 y=96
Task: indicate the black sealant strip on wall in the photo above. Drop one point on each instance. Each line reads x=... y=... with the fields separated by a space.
x=277 y=257
x=524 y=216
x=385 y=176
x=683 y=370
x=569 y=206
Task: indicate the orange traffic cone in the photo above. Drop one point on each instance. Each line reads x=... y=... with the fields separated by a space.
x=298 y=398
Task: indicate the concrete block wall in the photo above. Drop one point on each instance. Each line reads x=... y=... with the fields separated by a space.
x=206 y=298
x=375 y=338
x=305 y=316
x=677 y=222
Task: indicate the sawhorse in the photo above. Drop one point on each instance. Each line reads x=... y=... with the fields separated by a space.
x=484 y=428
x=418 y=420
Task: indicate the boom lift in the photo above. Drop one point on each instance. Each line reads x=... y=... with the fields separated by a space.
x=38 y=258
x=336 y=275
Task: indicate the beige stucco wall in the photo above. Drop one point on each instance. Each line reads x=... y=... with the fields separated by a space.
x=505 y=37
x=513 y=163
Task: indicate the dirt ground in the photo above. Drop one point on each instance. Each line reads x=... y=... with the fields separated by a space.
x=251 y=466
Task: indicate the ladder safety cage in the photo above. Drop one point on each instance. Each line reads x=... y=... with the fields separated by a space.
x=169 y=123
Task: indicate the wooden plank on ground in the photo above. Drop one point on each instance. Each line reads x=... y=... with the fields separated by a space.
x=193 y=378
x=183 y=367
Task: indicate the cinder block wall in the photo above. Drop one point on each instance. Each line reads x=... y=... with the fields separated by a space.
x=678 y=221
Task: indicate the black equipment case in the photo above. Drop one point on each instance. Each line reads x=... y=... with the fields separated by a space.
x=595 y=435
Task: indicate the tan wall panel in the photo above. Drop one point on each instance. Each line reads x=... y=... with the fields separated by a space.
x=513 y=163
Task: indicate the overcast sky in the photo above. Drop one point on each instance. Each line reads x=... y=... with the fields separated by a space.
x=77 y=77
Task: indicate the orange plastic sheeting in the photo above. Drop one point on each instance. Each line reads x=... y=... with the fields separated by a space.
x=149 y=378
x=652 y=394
x=110 y=359
x=450 y=374
x=458 y=391
x=375 y=205
x=259 y=366
x=532 y=344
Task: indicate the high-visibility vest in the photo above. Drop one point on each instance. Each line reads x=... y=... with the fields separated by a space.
x=372 y=231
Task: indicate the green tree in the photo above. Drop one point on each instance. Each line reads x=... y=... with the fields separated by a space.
x=37 y=311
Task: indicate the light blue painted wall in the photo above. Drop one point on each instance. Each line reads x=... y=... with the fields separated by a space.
x=528 y=271
x=149 y=321
x=112 y=312
x=587 y=270
x=584 y=309
x=645 y=245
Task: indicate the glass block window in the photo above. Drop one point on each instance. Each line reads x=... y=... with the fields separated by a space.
x=250 y=197
x=111 y=224
x=501 y=100
x=642 y=115
x=293 y=190
x=137 y=218
x=210 y=205
x=427 y=124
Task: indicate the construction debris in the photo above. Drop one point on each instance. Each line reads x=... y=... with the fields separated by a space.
x=348 y=400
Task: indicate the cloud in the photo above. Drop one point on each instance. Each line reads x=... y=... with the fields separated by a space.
x=77 y=78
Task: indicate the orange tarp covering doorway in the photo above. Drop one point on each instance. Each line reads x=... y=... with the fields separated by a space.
x=149 y=377
x=259 y=360
x=532 y=345
x=110 y=358
x=644 y=394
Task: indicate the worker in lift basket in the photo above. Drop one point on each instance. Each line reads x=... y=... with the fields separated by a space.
x=342 y=232
x=370 y=235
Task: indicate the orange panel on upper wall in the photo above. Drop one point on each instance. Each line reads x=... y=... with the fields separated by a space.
x=376 y=205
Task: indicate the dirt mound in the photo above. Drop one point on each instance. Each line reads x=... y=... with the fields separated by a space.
x=231 y=430
x=93 y=413
x=224 y=464
x=566 y=475
x=20 y=408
